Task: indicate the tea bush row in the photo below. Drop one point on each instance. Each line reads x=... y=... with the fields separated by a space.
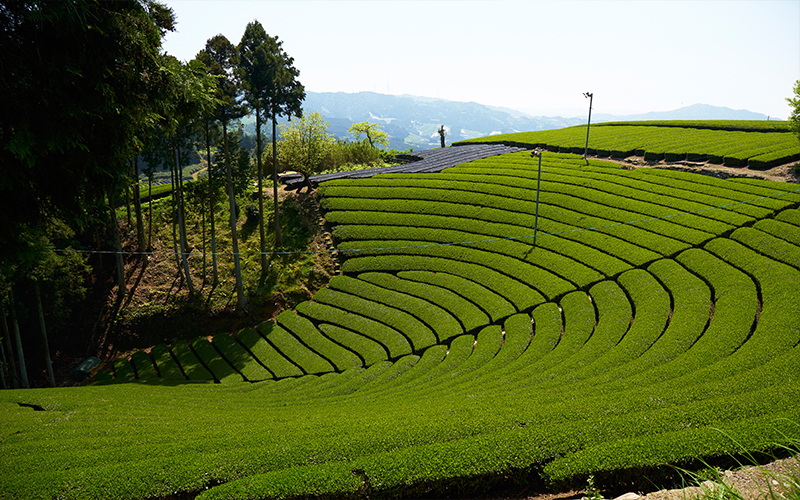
x=658 y=142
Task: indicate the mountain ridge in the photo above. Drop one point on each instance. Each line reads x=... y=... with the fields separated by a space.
x=412 y=122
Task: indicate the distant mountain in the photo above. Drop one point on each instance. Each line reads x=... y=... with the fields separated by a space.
x=693 y=112
x=412 y=122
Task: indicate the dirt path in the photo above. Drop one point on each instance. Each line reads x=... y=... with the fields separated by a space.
x=768 y=481
x=781 y=173
x=771 y=481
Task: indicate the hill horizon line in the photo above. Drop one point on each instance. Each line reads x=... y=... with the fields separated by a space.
x=696 y=108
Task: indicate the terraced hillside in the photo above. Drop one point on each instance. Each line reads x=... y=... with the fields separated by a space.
x=653 y=318
x=755 y=144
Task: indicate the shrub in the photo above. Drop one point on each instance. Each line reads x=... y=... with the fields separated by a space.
x=251 y=212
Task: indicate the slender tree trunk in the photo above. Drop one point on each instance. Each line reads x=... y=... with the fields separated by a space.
x=241 y=303
x=9 y=360
x=150 y=209
x=117 y=247
x=173 y=179
x=278 y=237
x=137 y=205
x=260 y=194
x=3 y=365
x=23 y=372
x=212 y=206
x=128 y=204
x=182 y=224
x=203 y=221
x=48 y=362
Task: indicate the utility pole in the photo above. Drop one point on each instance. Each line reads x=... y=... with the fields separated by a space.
x=537 y=153
x=588 y=124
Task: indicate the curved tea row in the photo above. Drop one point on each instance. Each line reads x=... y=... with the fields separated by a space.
x=652 y=318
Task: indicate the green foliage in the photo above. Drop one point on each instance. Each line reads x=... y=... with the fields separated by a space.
x=373 y=133
x=83 y=85
x=592 y=492
x=242 y=168
x=304 y=144
x=794 y=104
x=345 y=154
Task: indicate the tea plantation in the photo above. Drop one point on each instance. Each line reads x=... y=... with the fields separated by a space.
x=653 y=318
x=733 y=143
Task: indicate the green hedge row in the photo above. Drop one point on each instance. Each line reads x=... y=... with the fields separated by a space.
x=730 y=125
x=616 y=183
x=367 y=349
x=551 y=272
x=444 y=324
x=558 y=213
x=305 y=331
x=505 y=284
x=418 y=334
x=395 y=342
x=656 y=141
x=603 y=204
x=271 y=359
x=468 y=315
x=239 y=357
x=779 y=229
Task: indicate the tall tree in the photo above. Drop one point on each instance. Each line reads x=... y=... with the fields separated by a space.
x=214 y=185
x=77 y=86
x=219 y=56
x=373 y=133
x=272 y=82
x=137 y=203
x=189 y=96
x=253 y=69
x=305 y=143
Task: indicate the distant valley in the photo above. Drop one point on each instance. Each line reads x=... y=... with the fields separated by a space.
x=412 y=122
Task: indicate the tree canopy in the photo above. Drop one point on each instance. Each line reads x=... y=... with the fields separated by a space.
x=372 y=131
x=305 y=144
x=794 y=102
x=77 y=87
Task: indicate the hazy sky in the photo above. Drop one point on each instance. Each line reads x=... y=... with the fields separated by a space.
x=535 y=56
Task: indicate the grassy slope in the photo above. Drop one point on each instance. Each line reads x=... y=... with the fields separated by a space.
x=626 y=368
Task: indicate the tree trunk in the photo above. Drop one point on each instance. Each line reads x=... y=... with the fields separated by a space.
x=260 y=194
x=174 y=197
x=278 y=237
x=118 y=248
x=241 y=303
x=150 y=209
x=9 y=360
x=45 y=345
x=137 y=205
x=3 y=364
x=182 y=224
x=23 y=372
x=128 y=204
x=212 y=206
x=203 y=222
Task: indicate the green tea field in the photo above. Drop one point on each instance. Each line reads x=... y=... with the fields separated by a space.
x=643 y=319
x=756 y=144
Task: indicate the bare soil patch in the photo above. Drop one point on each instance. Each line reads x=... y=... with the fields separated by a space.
x=780 y=173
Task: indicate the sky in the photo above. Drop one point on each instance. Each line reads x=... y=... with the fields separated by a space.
x=533 y=56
